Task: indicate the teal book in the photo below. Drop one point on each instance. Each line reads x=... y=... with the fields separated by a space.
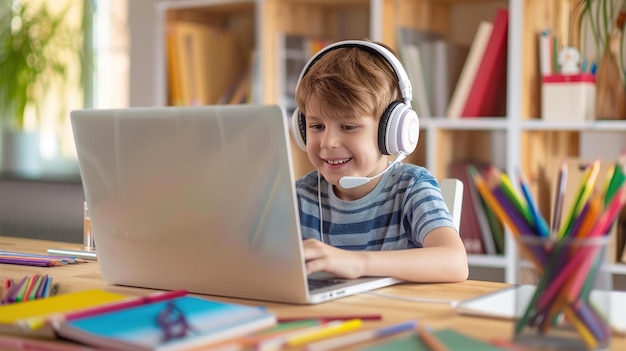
x=182 y=323
x=451 y=338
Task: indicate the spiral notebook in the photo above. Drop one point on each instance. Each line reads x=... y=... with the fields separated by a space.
x=502 y=304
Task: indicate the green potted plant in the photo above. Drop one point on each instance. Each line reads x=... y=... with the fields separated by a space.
x=32 y=42
x=603 y=21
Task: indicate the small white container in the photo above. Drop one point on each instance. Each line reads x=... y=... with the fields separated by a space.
x=568 y=98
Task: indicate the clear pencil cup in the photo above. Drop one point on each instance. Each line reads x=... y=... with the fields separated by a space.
x=562 y=303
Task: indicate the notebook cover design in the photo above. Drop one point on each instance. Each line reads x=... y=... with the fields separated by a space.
x=137 y=328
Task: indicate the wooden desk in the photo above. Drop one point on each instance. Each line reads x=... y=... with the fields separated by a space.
x=87 y=275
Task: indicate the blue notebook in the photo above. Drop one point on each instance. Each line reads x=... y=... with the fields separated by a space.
x=177 y=324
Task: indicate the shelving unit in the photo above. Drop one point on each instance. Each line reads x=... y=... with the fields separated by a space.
x=518 y=140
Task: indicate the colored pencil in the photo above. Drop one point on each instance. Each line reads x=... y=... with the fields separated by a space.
x=485 y=192
x=503 y=182
x=325 y=319
x=430 y=340
x=279 y=341
x=617 y=179
x=558 y=198
x=330 y=329
x=19 y=296
x=540 y=224
x=33 y=292
x=355 y=338
x=587 y=184
x=42 y=287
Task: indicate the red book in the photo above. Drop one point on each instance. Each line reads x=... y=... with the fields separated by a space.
x=487 y=97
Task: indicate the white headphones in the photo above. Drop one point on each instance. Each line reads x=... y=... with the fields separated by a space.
x=398 y=129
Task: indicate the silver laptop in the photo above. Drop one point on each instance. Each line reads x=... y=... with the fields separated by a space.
x=199 y=198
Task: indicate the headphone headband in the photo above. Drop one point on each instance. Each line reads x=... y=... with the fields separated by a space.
x=398 y=128
x=403 y=80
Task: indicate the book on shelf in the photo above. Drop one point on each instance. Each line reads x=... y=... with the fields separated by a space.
x=415 y=70
x=468 y=72
x=433 y=70
x=480 y=213
x=442 y=62
x=175 y=324
x=25 y=318
x=297 y=50
x=481 y=231
x=204 y=61
x=487 y=95
x=469 y=230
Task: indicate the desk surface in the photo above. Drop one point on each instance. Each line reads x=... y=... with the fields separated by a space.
x=87 y=275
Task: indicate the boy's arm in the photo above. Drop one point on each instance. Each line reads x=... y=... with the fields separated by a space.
x=442 y=259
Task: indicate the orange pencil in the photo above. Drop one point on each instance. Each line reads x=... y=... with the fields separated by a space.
x=430 y=340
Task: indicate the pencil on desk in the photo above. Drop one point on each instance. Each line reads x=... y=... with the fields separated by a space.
x=354 y=338
x=325 y=319
x=276 y=342
x=430 y=340
x=331 y=329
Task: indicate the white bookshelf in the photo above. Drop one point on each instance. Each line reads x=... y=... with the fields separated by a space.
x=506 y=134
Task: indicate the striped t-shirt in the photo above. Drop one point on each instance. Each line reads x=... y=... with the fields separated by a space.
x=398 y=214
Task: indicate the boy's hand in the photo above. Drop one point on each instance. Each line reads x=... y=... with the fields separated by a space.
x=321 y=257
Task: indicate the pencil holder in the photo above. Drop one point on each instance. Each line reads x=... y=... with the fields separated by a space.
x=562 y=304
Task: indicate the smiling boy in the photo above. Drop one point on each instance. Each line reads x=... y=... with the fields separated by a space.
x=395 y=224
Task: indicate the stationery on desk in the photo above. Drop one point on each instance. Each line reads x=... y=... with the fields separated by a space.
x=178 y=323
x=29 y=259
x=566 y=258
x=25 y=318
x=447 y=339
x=507 y=304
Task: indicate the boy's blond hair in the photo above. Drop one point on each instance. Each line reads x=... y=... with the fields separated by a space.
x=351 y=82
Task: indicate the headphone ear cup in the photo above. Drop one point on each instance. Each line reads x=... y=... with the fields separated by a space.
x=398 y=130
x=298 y=129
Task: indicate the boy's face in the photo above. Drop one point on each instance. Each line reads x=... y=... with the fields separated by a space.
x=343 y=147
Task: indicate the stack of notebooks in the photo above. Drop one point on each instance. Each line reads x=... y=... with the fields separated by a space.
x=169 y=320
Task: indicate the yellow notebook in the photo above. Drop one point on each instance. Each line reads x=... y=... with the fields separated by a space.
x=14 y=317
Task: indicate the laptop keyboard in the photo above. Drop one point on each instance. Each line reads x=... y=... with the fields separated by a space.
x=323 y=283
